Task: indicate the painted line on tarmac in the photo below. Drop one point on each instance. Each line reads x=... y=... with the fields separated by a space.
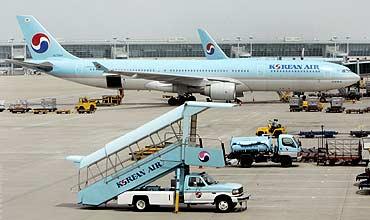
x=1 y=191
x=47 y=122
x=309 y=197
x=31 y=153
x=62 y=96
x=300 y=188
x=304 y=206
x=38 y=189
x=293 y=181
x=283 y=174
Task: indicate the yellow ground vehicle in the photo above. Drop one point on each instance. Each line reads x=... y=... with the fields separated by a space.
x=85 y=105
x=108 y=100
x=274 y=128
x=305 y=105
x=314 y=105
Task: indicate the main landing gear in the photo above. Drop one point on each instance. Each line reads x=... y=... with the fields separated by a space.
x=181 y=99
x=121 y=94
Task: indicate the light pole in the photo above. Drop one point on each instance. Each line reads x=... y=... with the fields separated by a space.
x=114 y=47
x=127 y=46
x=334 y=39
x=25 y=49
x=348 y=38
x=251 y=45
x=238 y=38
x=11 y=41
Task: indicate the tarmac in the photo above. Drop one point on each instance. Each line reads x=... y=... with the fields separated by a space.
x=36 y=180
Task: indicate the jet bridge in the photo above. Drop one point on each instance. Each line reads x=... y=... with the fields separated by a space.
x=166 y=144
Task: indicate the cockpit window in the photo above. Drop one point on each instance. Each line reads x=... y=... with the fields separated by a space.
x=346 y=70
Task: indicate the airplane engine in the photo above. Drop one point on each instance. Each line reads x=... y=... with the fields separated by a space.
x=221 y=91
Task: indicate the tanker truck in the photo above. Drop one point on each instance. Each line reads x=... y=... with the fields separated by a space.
x=246 y=150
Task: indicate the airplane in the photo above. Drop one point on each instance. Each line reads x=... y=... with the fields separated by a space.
x=219 y=79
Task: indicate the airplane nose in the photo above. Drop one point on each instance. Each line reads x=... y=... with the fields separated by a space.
x=351 y=78
x=355 y=77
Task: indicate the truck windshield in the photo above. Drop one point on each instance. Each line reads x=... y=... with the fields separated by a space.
x=298 y=142
x=288 y=142
x=209 y=180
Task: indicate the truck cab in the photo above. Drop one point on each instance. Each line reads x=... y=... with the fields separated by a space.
x=288 y=148
x=200 y=188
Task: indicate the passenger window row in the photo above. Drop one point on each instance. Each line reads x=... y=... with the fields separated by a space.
x=184 y=70
x=296 y=71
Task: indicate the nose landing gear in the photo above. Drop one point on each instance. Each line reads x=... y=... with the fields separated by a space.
x=181 y=99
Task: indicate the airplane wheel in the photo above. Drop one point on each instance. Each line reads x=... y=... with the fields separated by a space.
x=172 y=101
x=238 y=101
x=181 y=100
x=192 y=98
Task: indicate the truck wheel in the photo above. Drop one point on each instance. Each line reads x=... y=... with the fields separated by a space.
x=81 y=110
x=332 y=162
x=224 y=205
x=92 y=108
x=286 y=161
x=260 y=133
x=141 y=204
x=355 y=162
x=246 y=161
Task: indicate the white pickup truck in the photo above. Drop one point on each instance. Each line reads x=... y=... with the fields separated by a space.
x=2 y=105
x=197 y=188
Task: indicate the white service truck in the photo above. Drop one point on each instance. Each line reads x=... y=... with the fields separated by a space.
x=197 y=188
x=2 y=105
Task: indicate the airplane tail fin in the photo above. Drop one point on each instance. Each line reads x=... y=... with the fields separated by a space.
x=41 y=44
x=210 y=47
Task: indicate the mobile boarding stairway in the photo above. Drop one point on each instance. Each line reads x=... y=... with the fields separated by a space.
x=157 y=148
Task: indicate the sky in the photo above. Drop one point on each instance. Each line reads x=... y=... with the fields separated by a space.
x=265 y=20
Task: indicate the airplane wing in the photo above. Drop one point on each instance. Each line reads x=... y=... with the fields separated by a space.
x=45 y=66
x=167 y=77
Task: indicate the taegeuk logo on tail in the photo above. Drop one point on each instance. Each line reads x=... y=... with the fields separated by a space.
x=40 y=43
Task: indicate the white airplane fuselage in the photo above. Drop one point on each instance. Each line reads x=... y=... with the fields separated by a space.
x=255 y=75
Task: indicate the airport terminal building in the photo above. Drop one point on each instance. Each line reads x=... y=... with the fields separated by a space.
x=180 y=48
